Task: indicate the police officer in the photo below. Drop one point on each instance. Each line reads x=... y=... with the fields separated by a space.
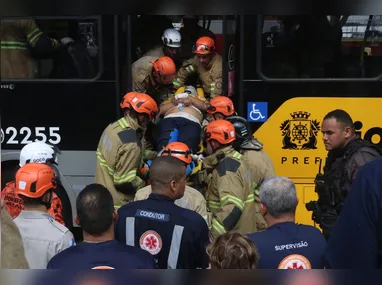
x=172 y=41
x=207 y=64
x=42 y=236
x=229 y=195
x=285 y=244
x=253 y=154
x=192 y=198
x=120 y=149
x=346 y=154
x=154 y=76
x=175 y=236
x=99 y=250
x=37 y=152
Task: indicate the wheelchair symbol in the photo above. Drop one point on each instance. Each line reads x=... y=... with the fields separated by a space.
x=255 y=114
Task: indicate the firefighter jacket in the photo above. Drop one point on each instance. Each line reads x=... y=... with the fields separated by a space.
x=119 y=159
x=192 y=200
x=144 y=80
x=229 y=194
x=210 y=77
x=16 y=37
x=12 y=249
x=261 y=168
x=14 y=204
x=157 y=52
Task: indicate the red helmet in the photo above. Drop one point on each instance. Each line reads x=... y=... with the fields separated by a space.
x=165 y=68
x=127 y=98
x=33 y=180
x=179 y=150
x=221 y=104
x=220 y=130
x=143 y=103
x=204 y=45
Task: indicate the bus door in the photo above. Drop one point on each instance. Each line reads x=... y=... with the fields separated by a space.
x=230 y=57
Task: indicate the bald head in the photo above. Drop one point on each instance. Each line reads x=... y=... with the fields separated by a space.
x=165 y=170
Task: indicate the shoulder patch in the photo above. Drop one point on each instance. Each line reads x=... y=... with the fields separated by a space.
x=227 y=164
x=129 y=136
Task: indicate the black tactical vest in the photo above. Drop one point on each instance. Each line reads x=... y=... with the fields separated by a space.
x=336 y=180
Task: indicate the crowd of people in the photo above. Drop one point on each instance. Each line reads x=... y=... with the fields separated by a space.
x=195 y=191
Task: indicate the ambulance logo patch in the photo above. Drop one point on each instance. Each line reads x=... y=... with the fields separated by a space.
x=103 y=267
x=295 y=261
x=151 y=242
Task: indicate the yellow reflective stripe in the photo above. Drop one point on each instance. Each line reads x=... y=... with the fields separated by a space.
x=231 y=199
x=123 y=123
x=13 y=45
x=214 y=204
x=256 y=192
x=117 y=207
x=212 y=86
x=103 y=163
x=190 y=69
x=33 y=36
x=237 y=155
x=176 y=82
x=250 y=198
x=129 y=176
x=217 y=226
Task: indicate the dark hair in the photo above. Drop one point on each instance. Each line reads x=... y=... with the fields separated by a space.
x=95 y=209
x=165 y=169
x=341 y=116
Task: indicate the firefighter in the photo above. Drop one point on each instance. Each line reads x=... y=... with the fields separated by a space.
x=20 y=38
x=257 y=159
x=220 y=108
x=12 y=249
x=42 y=236
x=192 y=198
x=207 y=64
x=172 y=41
x=37 y=152
x=229 y=195
x=154 y=76
x=120 y=149
x=176 y=237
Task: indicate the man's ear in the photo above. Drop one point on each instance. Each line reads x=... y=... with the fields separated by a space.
x=115 y=215
x=297 y=200
x=348 y=132
x=263 y=209
x=77 y=220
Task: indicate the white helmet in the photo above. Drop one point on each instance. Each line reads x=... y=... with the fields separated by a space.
x=172 y=38
x=191 y=90
x=37 y=152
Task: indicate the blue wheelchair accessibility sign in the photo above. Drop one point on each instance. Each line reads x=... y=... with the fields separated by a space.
x=257 y=111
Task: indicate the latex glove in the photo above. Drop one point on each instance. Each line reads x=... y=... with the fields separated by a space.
x=181 y=96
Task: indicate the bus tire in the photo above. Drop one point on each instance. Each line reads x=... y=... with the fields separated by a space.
x=8 y=172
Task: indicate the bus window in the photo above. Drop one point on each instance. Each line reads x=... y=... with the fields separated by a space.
x=50 y=49
x=321 y=47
